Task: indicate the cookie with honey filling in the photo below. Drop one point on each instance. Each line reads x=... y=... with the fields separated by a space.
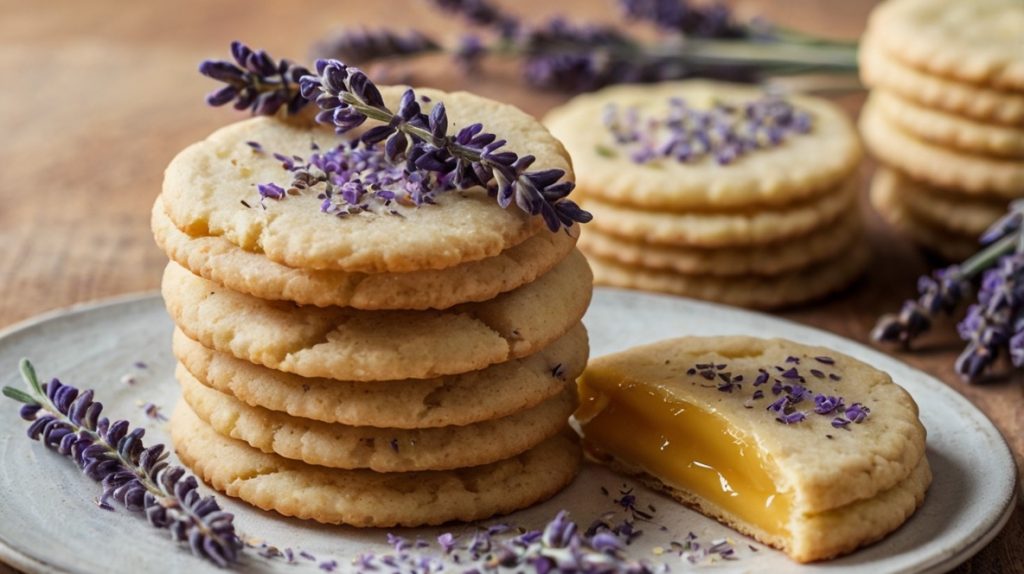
x=803 y=448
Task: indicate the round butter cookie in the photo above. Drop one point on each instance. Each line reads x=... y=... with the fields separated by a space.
x=937 y=165
x=796 y=287
x=378 y=449
x=829 y=445
x=497 y=391
x=370 y=499
x=881 y=71
x=978 y=41
x=890 y=202
x=767 y=259
x=802 y=166
x=737 y=228
x=221 y=261
x=208 y=185
x=348 y=344
x=948 y=130
x=964 y=216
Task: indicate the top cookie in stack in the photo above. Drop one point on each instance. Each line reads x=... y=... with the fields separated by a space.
x=376 y=363
x=945 y=116
x=716 y=191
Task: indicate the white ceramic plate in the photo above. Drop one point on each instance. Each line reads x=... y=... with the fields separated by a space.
x=49 y=522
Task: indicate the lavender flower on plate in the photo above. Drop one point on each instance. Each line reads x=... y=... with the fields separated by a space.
x=139 y=478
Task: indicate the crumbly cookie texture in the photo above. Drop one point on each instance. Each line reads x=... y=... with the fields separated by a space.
x=977 y=41
x=823 y=535
x=963 y=215
x=205 y=185
x=347 y=344
x=801 y=167
x=881 y=71
x=494 y=392
x=937 y=165
x=369 y=499
x=219 y=260
x=735 y=228
x=378 y=449
x=948 y=130
x=891 y=201
x=768 y=259
x=797 y=287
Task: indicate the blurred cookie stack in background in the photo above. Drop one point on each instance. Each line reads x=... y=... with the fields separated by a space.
x=945 y=117
x=716 y=191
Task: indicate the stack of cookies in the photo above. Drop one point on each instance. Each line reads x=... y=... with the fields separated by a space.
x=398 y=366
x=716 y=191
x=945 y=117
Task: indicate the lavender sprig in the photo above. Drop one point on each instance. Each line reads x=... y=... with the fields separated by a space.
x=698 y=41
x=991 y=322
x=707 y=21
x=360 y=46
x=347 y=99
x=995 y=323
x=256 y=82
x=140 y=478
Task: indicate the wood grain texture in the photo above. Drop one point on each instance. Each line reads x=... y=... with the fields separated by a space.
x=98 y=96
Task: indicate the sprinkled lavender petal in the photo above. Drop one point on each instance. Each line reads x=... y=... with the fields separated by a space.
x=857 y=412
x=791 y=418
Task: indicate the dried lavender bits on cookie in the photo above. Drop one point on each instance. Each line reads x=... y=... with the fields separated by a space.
x=725 y=132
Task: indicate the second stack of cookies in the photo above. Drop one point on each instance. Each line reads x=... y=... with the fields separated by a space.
x=945 y=117
x=716 y=191
x=407 y=367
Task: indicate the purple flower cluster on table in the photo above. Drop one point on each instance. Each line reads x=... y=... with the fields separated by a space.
x=994 y=324
x=694 y=40
x=70 y=422
x=789 y=388
x=725 y=132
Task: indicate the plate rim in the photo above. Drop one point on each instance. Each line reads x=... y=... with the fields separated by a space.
x=11 y=556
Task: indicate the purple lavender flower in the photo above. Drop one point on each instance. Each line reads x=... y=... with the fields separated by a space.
x=679 y=16
x=826 y=404
x=470 y=157
x=992 y=324
x=857 y=413
x=364 y=45
x=481 y=13
x=255 y=81
x=111 y=453
x=725 y=132
x=941 y=292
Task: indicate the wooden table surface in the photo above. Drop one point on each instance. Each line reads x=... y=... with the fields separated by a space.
x=98 y=96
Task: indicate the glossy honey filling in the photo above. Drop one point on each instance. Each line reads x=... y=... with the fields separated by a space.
x=683 y=445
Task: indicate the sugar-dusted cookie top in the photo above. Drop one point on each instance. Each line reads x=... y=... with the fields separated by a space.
x=212 y=188
x=976 y=41
x=832 y=429
x=805 y=145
